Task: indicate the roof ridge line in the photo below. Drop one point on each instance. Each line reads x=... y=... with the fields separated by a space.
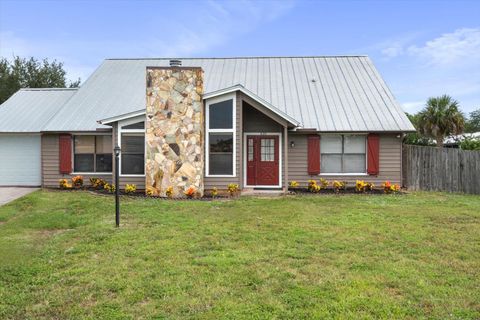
x=246 y=57
x=47 y=89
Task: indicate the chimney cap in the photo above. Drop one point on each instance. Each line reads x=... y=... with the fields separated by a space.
x=175 y=63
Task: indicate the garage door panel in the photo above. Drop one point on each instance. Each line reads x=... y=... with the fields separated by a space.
x=20 y=162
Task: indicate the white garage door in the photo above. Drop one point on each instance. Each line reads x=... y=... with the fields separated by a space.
x=20 y=163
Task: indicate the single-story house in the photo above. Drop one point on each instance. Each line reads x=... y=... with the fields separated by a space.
x=258 y=122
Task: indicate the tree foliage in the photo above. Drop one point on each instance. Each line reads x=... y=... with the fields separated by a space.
x=31 y=73
x=440 y=118
x=473 y=122
x=470 y=144
x=416 y=138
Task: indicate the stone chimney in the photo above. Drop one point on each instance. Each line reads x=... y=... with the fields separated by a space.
x=174 y=130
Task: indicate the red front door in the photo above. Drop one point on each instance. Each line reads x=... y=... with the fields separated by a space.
x=262 y=160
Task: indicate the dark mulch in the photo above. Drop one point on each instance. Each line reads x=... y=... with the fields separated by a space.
x=141 y=194
x=207 y=197
x=348 y=190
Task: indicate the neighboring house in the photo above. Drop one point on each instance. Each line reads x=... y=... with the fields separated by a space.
x=22 y=118
x=455 y=141
x=256 y=122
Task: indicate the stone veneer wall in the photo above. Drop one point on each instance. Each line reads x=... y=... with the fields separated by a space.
x=174 y=130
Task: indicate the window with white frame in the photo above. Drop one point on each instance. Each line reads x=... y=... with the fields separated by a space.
x=132 y=144
x=92 y=153
x=343 y=154
x=220 y=135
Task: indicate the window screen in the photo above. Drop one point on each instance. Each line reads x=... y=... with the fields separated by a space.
x=220 y=153
x=343 y=154
x=133 y=153
x=92 y=153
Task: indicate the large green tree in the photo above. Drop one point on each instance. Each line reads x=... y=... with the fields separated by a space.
x=473 y=122
x=440 y=118
x=31 y=73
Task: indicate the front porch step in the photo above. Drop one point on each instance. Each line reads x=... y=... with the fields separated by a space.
x=262 y=192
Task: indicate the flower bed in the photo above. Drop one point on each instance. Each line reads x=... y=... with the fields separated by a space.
x=347 y=190
x=142 y=194
x=322 y=186
x=101 y=186
x=341 y=187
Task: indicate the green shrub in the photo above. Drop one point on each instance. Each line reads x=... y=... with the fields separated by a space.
x=470 y=144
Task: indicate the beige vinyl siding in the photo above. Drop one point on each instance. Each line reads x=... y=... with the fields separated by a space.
x=51 y=164
x=390 y=162
x=222 y=182
x=139 y=181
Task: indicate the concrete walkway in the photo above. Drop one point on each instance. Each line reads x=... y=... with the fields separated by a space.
x=8 y=194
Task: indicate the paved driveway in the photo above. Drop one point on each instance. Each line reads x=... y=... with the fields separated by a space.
x=8 y=194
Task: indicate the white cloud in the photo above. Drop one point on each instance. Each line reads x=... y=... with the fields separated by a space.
x=393 y=46
x=218 y=23
x=393 y=51
x=447 y=64
x=199 y=30
x=459 y=47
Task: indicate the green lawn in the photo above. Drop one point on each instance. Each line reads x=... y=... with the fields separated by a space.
x=353 y=256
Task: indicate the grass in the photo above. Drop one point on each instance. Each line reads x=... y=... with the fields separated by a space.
x=352 y=256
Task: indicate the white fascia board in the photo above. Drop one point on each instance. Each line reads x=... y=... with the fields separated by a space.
x=121 y=117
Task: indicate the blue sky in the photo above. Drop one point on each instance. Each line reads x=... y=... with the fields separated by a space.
x=422 y=48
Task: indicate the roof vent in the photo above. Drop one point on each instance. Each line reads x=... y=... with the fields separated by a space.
x=175 y=63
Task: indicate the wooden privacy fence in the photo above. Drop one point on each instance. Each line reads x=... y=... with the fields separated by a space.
x=441 y=169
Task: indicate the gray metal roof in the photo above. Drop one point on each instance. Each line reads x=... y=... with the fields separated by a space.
x=338 y=93
x=29 y=110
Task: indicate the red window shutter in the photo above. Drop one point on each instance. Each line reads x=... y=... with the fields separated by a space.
x=373 y=154
x=313 y=154
x=65 y=148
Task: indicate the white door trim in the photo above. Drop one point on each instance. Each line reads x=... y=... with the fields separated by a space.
x=280 y=155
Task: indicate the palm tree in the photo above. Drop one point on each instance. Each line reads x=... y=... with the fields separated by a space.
x=441 y=118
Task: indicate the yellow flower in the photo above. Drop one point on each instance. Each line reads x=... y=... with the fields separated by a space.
x=323 y=183
x=312 y=186
x=63 y=183
x=214 y=192
x=293 y=184
x=169 y=192
x=338 y=185
x=130 y=188
x=233 y=188
x=360 y=186
x=149 y=191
